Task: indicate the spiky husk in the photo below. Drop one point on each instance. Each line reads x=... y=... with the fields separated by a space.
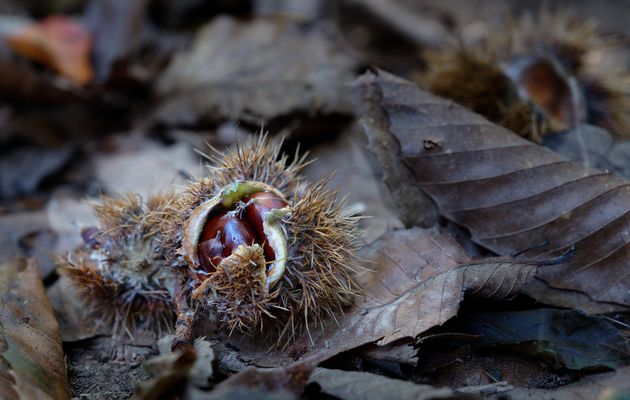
x=322 y=240
x=466 y=73
x=121 y=272
x=569 y=38
x=472 y=77
x=237 y=290
x=258 y=159
x=586 y=53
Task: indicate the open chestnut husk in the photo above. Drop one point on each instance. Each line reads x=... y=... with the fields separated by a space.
x=250 y=245
x=536 y=74
x=263 y=251
x=245 y=213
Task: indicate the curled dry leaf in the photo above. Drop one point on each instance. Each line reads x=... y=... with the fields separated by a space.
x=418 y=280
x=255 y=383
x=510 y=193
x=352 y=385
x=177 y=372
x=76 y=321
x=399 y=353
x=32 y=363
x=254 y=71
x=59 y=42
x=116 y=26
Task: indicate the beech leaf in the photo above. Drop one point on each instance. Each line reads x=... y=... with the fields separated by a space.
x=254 y=71
x=510 y=193
x=418 y=282
x=257 y=383
x=32 y=363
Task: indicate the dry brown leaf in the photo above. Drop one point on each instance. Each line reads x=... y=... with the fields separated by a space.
x=146 y=167
x=75 y=320
x=32 y=363
x=400 y=352
x=59 y=42
x=117 y=27
x=351 y=385
x=510 y=193
x=606 y=386
x=177 y=372
x=265 y=384
x=254 y=71
x=418 y=280
x=14 y=227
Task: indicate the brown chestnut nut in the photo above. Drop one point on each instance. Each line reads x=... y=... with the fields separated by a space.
x=210 y=254
x=228 y=229
x=257 y=205
x=221 y=235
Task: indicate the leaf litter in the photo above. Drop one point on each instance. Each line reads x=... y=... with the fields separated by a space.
x=211 y=81
x=292 y=73
x=510 y=193
x=414 y=280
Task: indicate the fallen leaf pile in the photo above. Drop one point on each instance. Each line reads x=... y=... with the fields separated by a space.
x=490 y=265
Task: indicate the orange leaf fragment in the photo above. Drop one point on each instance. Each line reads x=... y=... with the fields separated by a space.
x=58 y=42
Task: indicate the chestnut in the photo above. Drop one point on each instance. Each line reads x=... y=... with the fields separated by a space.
x=230 y=230
x=257 y=206
x=227 y=229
